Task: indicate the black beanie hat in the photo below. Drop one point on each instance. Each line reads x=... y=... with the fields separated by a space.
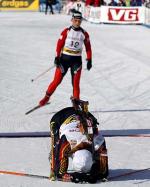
x=77 y=15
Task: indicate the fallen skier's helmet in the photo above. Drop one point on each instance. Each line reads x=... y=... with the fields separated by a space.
x=82 y=161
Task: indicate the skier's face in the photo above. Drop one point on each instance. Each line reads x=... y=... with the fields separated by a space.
x=76 y=22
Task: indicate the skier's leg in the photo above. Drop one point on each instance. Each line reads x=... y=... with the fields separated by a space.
x=51 y=8
x=56 y=81
x=76 y=84
x=64 y=149
x=59 y=74
x=76 y=68
x=52 y=87
x=46 y=8
x=54 y=131
x=101 y=161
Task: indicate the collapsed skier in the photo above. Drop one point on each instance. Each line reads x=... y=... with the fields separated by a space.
x=74 y=134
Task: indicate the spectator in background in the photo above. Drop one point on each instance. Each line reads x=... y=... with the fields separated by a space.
x=113 y=3
x=68 y=6
x=127 y=2
x=77 y=6
x=89 y=2
x=95 y=3
x=58 y=6
x=98 y=3
x=136 y=2
x=147 y=3
x=49 y=4
x=121 y=3
x=42 y=5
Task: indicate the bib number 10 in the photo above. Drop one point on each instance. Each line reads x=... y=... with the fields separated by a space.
x=74 y=44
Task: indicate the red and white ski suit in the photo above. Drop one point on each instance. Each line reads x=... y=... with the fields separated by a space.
x=69 y=49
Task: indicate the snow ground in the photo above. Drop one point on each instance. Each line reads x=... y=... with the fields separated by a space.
x=119 y=80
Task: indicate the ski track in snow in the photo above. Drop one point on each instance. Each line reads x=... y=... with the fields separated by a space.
x=119 y=80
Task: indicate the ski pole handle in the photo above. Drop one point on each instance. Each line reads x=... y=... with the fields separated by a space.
x=41 y=74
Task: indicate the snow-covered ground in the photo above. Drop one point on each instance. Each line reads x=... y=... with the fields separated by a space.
x=119 y=80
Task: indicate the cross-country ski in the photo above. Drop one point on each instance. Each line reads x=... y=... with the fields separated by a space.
x=34 y=108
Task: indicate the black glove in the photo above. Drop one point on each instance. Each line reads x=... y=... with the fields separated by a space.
x=57 y=61
x=89 y=64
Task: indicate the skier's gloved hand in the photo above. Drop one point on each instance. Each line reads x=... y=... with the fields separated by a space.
x=44 y=100
x=89 y=64
x=57 y=61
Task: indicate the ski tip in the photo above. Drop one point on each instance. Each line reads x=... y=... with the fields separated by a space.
x=35 y=108
x=28 y=112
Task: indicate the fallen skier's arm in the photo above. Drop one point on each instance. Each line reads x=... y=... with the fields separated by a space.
x=82 y=145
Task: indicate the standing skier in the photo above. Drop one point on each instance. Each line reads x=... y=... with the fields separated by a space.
x=68 y=55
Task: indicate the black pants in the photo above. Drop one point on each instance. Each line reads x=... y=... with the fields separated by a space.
x=50 y=6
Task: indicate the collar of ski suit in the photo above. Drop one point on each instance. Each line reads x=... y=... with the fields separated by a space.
x=75 y=29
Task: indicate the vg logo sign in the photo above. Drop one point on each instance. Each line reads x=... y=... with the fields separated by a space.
x=122 y=14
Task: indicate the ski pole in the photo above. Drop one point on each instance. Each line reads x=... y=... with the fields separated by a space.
x=41 y=74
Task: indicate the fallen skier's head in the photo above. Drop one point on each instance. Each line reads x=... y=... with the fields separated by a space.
x=82 y=161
